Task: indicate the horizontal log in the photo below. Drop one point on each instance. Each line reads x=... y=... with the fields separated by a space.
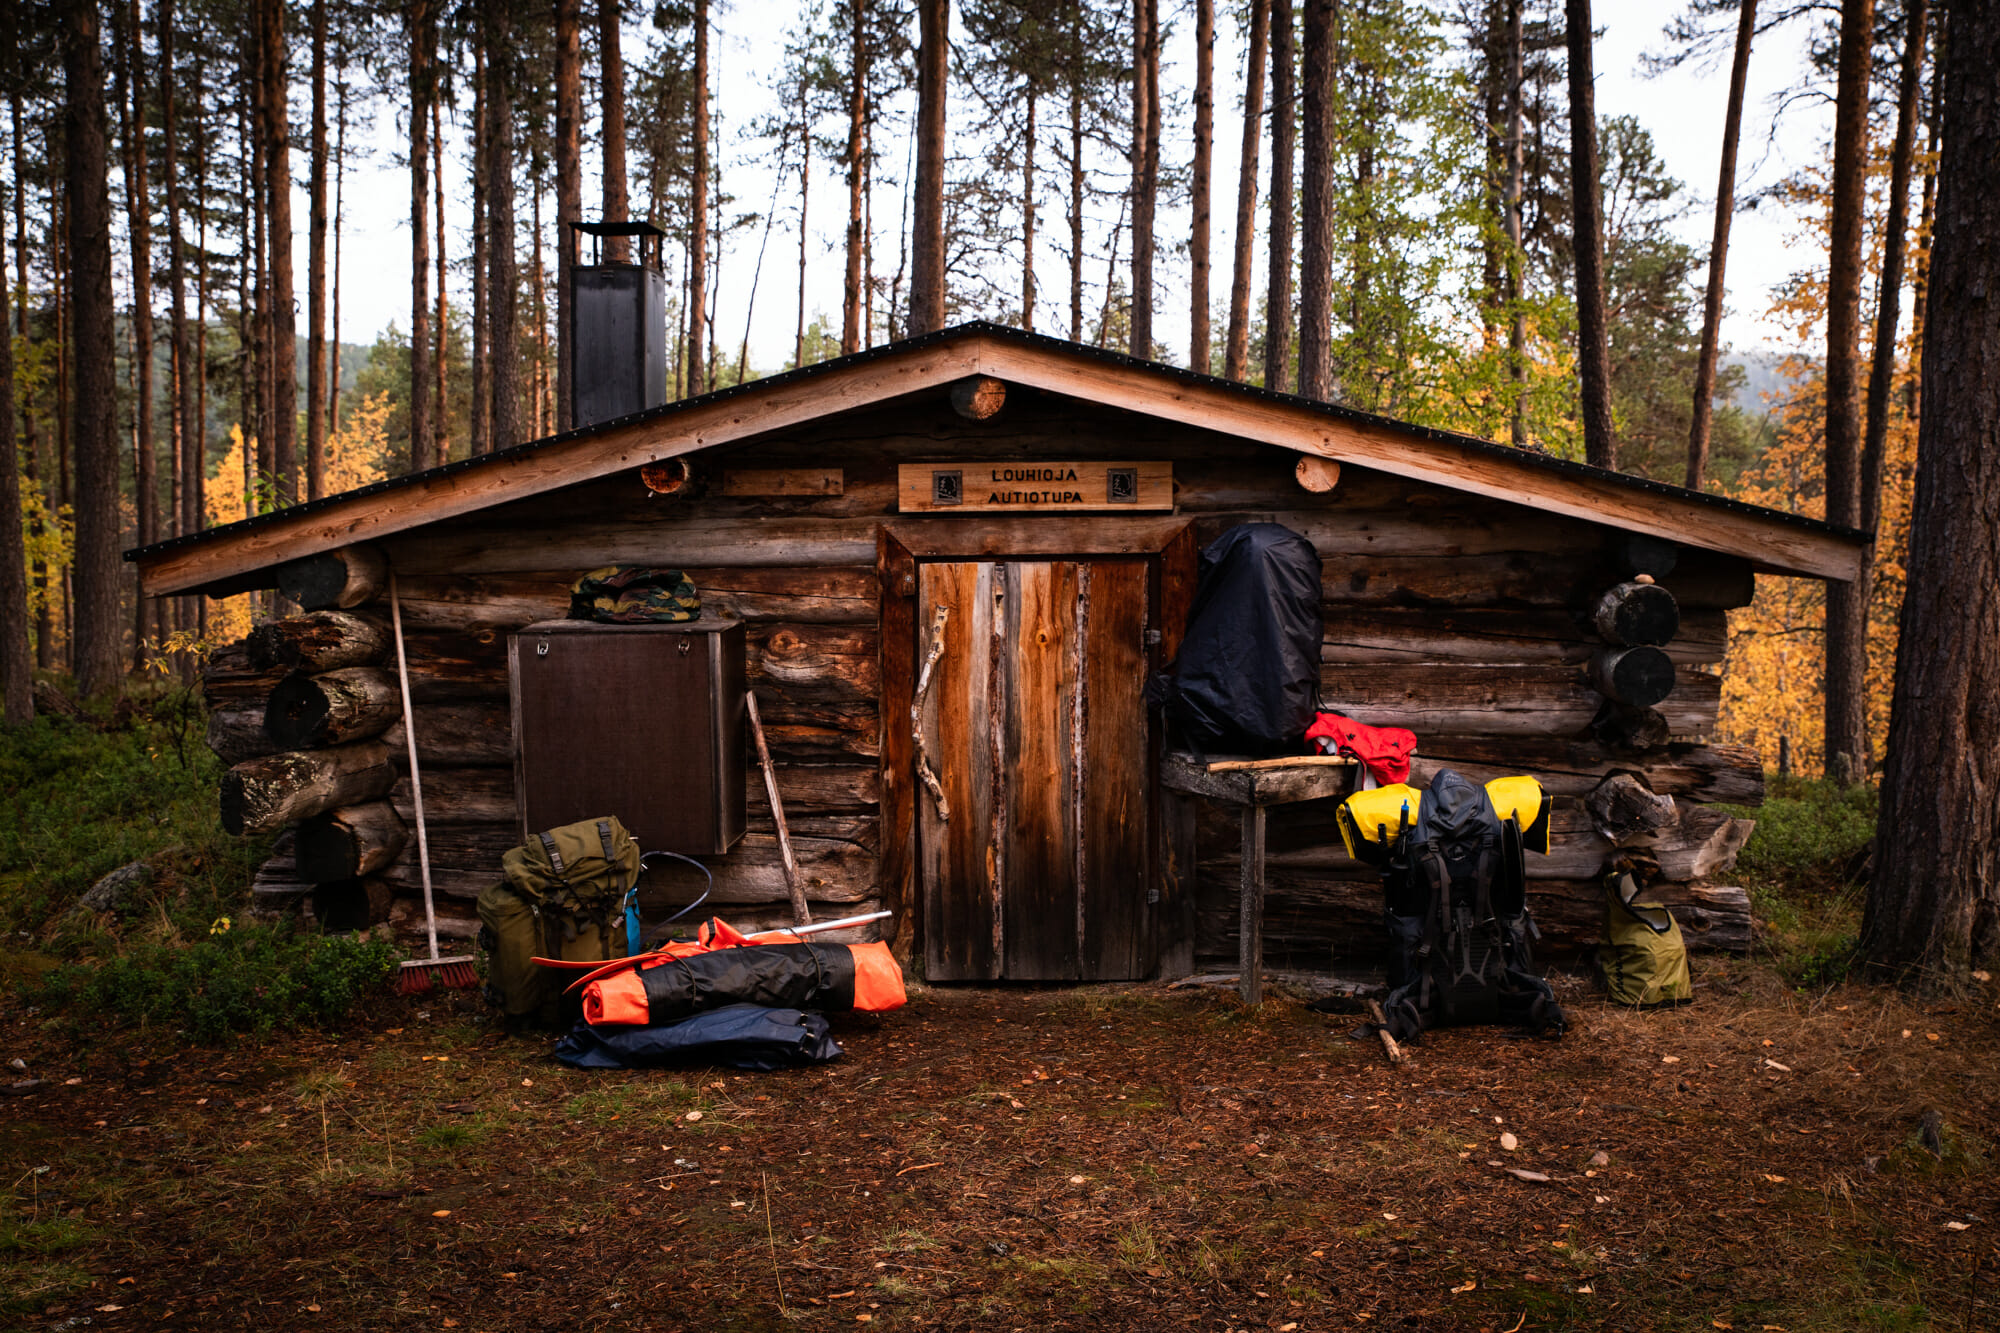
x=458 y=735
x=335 y=580
x=818 y=789
x=813 y=663
x=1368 y=635
x=228 y=678
x=278 y=875
x=1636 y=677
x=320 y=641
x=502 y=603
x=1631 y=614
x=460 y=796
x=350 y=842
x=1450 y=699
x=1310 y=919
x=1722 y=773
x=332 y=708
x=820 y=733
x=263 y=795
x=353 y=904
x=1629 y=730
x=451 y=667
x=236 y=731
x=1529 y=576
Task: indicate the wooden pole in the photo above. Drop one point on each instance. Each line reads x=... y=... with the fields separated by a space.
x=800 y=913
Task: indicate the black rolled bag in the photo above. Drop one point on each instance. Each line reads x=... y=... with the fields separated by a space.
x=1247 y=678
x=738 y=1036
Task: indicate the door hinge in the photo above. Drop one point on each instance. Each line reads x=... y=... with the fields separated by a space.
x=1152 y=897
x=1152 y=638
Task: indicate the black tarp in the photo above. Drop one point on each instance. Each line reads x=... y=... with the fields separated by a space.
x=801 y=976
x=1247 y=678
x=740 y=1036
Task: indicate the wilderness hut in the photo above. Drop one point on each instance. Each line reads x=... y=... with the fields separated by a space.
x=1001 y=532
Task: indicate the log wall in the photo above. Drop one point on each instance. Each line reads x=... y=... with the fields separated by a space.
x=1467 y=620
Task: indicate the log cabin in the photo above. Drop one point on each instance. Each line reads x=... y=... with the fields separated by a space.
x=959 y=557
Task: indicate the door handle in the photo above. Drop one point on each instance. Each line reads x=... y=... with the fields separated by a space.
x=931 y=655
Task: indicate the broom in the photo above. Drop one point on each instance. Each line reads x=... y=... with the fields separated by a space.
x=420 y=976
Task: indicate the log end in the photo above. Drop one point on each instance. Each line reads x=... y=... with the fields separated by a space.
x=979 y=397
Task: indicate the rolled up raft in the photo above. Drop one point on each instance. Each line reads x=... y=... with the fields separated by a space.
x=669 y=986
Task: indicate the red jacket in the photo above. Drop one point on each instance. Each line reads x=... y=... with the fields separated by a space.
x=1385 y=751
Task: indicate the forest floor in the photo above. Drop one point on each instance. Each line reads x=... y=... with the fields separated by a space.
x=1112 y=1158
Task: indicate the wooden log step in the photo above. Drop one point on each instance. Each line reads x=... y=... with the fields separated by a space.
x=236 y=732
x=1529 y=701
x=263 y=795
x=332 y=708
x=458 y=735
x=1389 y=636
x=350 y=842
x=334 y=580
x=320 y=641
x=1308 y=917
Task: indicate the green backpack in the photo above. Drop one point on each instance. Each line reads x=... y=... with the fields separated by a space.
x=1644 y=958
x=564 y=896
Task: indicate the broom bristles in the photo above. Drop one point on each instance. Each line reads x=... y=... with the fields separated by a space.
x=419 y=976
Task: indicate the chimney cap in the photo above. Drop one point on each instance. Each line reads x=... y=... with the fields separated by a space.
x=617 y=229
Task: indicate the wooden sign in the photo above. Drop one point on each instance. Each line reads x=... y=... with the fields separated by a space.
x=1033 y=486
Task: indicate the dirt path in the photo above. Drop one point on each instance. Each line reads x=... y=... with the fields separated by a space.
x=1111 y=1158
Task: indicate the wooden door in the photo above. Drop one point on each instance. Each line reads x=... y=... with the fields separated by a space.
x=1037 y=865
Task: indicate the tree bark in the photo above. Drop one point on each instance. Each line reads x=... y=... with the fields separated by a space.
x=1028 y=218
x=1718 y=251
x=805 y=203
x=1933 y=908
x=1201 y=189
x=1512 y=262
x=316 y=269
x=440 y=359
x=617 y=203
x=503 y=334
x=422 y=25
x=1145 y=169
x=569 y=190
x=139 y=230
x=1847 y=749
x=857 y=112
x=1236 y=352
x=697 y=380
x=1600 y=446
x=284 y=351
x=96 y=629
x=1278 y=299
x=479 y=424
x=339 y=217
x=927 y=267
x=1076 y=178
x=1316 y=242
x=17 y=698
x=1888 y=304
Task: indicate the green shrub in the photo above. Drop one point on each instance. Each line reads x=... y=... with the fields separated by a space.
x=250 y=979
x=1810 y=832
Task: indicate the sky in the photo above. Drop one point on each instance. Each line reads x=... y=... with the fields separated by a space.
x=1683 y=110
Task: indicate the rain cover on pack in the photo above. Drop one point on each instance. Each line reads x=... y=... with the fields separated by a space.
x=1247 y=679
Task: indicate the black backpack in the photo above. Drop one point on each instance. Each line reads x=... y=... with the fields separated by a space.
x=1455 y=901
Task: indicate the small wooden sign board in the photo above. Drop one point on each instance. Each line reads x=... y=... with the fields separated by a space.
x=1033 y=486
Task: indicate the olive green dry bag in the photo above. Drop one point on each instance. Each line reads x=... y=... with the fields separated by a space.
x=1644 y=958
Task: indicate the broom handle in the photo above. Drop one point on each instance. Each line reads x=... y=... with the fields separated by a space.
x=416 y=779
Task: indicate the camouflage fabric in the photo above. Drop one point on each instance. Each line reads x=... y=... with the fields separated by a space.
x=634 y=595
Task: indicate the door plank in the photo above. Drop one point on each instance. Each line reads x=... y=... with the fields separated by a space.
x=1039 y=903
x=960 y=891
x=1115 y=804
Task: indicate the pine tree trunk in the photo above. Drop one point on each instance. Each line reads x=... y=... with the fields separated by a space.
x=1513 y=260
x=1600 y=446
x=339 y=218
x=139 y=230
x=316 y=269
x=17 y=697
x=441 y=359
x=479 y=425
x=927 y=272
x=32 y=470
x=284 y=316
x=1236 y=352
x=1076 y=177
x=1201 y=190
x=422 y=24
x=1278 y=298
x=1847 y=749
x=98 y=624
x=617 y=204
x=1318 y=68
x=501 y=285
x=857 y=114
x=1888 y=303
x=698 y=212
x=1028 y=218
x=1145 y=169
x=805 y=201
x=1926 y=212
x=1933 y=908
x=569 y=196
x=1718 y=251
x=183 y=515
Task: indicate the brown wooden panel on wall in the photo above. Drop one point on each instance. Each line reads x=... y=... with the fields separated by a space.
x=1040 y=846
x=1116 y=870
x=642 y=722
x=959 y=852
x=895 y=576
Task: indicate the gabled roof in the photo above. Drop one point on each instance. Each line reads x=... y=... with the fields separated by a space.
x=1772 y=540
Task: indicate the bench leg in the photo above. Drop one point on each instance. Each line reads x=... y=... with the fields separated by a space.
x=1250 y=980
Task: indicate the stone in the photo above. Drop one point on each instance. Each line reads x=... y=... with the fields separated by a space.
x=117 y=890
